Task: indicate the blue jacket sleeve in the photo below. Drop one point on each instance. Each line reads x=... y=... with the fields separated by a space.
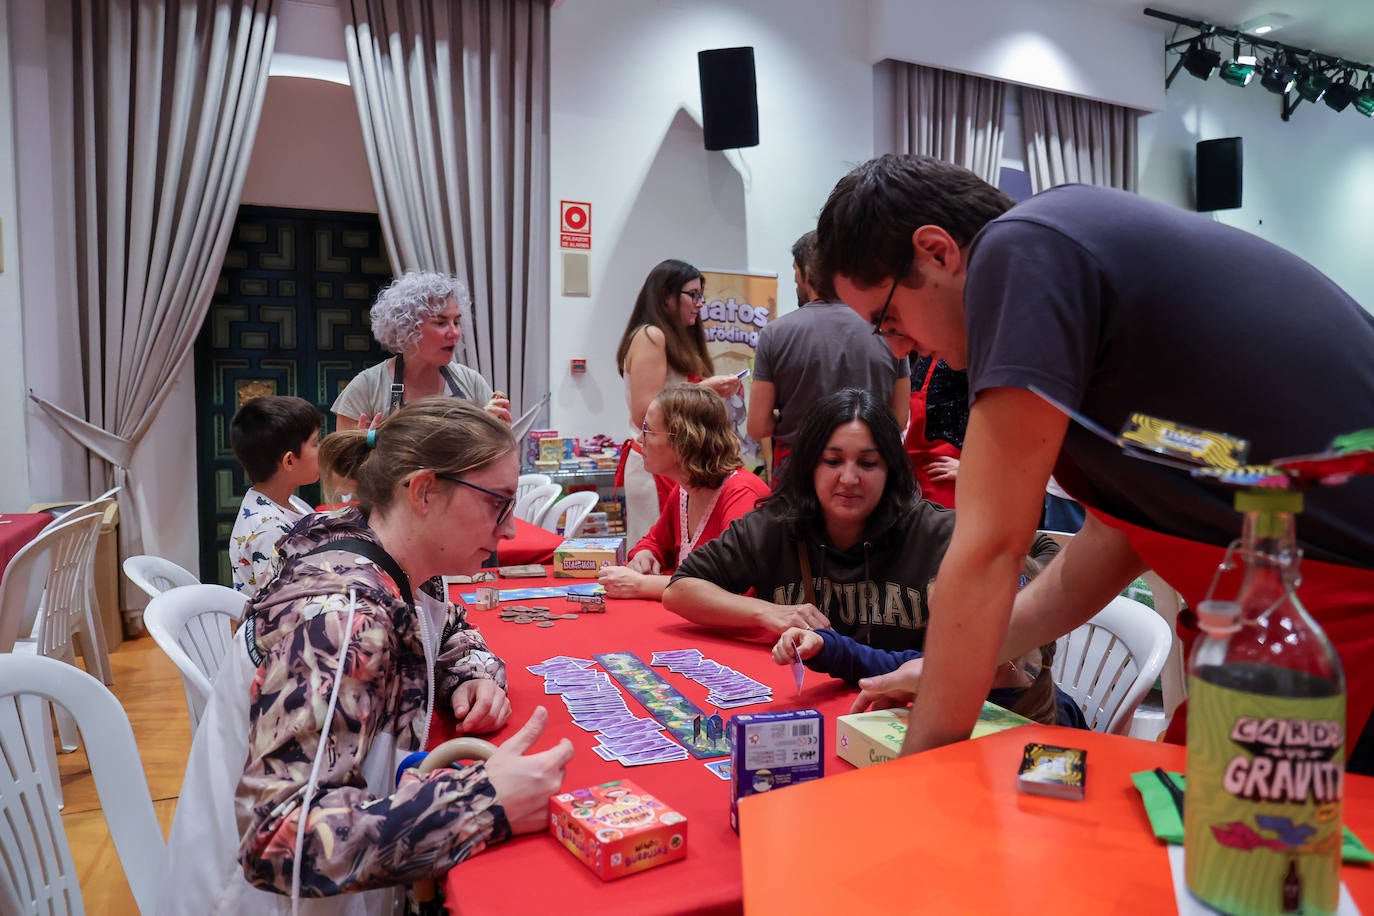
x=849 y=660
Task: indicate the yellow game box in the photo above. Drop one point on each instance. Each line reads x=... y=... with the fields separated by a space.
x=617 y=828
x=582 y=558
x=866 y=738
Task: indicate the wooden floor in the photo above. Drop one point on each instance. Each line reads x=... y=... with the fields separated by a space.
x=149 y=688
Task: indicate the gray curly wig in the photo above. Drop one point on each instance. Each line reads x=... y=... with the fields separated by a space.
x=408 y=301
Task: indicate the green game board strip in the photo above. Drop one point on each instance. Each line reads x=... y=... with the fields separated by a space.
x=662 y=701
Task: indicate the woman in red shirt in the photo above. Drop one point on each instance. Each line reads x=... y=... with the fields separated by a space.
x=686 y=437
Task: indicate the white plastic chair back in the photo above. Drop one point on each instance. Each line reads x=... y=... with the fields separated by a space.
x=528 y=482
x=21 y=590
x=155 y=575
x=36 y=870
x=1109 y=663
x=194 y=625
x=531 y=506
x=65 y=613
x=577 y=506
x=1173 y=680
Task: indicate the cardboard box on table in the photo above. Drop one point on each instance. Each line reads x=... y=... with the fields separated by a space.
x=582 y=558
x=617 y=828
x=866 y=738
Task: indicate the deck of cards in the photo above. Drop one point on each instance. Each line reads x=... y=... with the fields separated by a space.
x=1060 y=772
x=597 y=705
x=728 y=688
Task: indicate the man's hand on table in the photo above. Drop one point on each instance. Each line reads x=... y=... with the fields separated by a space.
x=891 y=690
x=480 y=706
x=524 y=782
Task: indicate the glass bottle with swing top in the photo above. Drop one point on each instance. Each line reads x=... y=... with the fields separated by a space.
x=1266 y=723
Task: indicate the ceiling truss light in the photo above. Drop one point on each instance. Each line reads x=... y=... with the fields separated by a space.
x=1295 y=74
x=1364 y=102
x=1201 y=61
x=1279 y=76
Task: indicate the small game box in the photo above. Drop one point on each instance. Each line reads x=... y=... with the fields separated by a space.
x=771 y=750
x=1060 y=772
x=866 y=738
x=617 y=828
x=582 y=558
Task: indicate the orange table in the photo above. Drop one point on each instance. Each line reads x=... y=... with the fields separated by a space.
x=535 y=874
x=948 y=832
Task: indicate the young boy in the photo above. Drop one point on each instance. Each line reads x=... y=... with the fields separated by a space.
x=277 y=440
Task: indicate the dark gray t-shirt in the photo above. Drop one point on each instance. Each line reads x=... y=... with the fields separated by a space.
x=817 y=350
x=1112 y=304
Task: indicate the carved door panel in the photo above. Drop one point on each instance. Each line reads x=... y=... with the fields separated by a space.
x=289 y=316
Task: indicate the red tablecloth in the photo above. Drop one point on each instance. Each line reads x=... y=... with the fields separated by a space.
x=16 y=530
x=948 y=832
x=528 y=874
x=531 y=544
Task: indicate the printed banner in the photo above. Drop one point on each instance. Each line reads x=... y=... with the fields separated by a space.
x=737 y=307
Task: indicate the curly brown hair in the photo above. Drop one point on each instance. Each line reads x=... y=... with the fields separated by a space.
x=699 y=429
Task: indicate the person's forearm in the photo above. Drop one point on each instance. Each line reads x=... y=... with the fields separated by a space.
x=652 y=586
x=710 y=605
x=1090 y=571
x=967 y=621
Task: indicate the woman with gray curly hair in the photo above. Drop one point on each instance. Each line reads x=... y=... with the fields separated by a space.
x=419 y=318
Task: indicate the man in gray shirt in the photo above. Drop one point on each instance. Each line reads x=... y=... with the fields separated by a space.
x=821 y=347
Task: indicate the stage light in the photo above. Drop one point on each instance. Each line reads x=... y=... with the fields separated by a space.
x=1201 y=61
x=1340 y=95
x=1278 y=74
x=1312 y=84
x=1364 y=102
x=1239 y=70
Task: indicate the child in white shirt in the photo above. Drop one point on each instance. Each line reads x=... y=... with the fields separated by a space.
x=277 y=440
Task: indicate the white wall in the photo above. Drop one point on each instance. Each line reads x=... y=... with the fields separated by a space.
x=1308 y=183
x=14 y=468
x=1063 y=45
x=625 y=135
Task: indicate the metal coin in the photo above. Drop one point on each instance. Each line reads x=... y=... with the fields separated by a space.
x=523 y=619
x=544 y=623
x=566 y=616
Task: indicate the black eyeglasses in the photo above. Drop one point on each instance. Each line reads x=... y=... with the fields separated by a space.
x=696 y=295
x=882 y=315
x=505 y=504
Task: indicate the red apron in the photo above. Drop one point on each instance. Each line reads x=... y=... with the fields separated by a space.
x=922 y=450
x=1339 y=598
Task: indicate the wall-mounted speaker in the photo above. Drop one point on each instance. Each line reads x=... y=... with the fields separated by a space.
x=729 y=98
x=1218 y=174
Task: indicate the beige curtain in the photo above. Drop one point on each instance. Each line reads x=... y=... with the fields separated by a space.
x=950 y=116
x=1069 y=139
x=454 y=101
x=167 y=97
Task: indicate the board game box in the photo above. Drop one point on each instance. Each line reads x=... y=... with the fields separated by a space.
x=866 y=738
x=772 y=750
x=582 y=558
x=617 y=828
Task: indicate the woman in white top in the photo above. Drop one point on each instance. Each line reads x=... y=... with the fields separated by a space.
x=419 y=318
x=663 y=345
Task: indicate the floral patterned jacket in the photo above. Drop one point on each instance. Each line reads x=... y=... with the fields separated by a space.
x=354 y=840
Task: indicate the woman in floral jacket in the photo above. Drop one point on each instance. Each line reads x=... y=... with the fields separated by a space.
x=291 y=786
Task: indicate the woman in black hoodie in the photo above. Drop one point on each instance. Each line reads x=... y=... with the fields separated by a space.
x=845 y=541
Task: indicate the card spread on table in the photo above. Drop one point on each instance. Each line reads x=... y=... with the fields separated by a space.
x=728 y=688
x=665 y=703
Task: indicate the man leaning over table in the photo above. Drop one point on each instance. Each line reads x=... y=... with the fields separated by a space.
x=1110 y=304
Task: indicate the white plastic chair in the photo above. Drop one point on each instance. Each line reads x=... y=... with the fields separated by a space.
x=531 y=506
x=155 y=575
x=194 y=625
x=528 y=482
x=94 y=650
x=37 y=874
x=577 y=506
x=1109 y=663
x=1173 y=680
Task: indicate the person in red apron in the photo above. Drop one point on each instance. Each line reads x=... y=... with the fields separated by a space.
x=1101 y=304
x=936 y=430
